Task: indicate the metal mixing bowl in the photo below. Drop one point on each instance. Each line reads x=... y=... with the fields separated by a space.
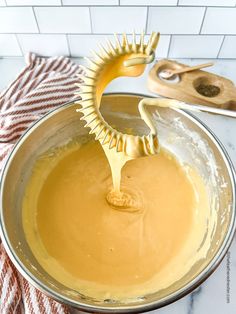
x=180 y=132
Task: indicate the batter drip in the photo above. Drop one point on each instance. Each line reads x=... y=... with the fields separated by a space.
x=116 y=197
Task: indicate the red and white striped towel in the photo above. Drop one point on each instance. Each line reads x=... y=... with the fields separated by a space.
x=43 y=85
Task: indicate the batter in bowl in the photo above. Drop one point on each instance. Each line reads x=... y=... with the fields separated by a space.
x=115 y=251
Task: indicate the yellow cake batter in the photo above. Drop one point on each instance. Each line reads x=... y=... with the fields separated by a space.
x=106 y=251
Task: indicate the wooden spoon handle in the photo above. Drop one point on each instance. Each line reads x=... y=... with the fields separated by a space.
x=193 y=68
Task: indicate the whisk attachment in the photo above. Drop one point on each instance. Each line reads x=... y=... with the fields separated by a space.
x=122 y=59
x=149 y=51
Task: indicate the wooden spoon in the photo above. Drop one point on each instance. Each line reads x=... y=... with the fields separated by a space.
x=168 y=73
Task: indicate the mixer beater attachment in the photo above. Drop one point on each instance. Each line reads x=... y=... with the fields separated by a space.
x=122 y=59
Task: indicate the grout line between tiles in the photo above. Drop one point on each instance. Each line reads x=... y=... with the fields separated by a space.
x=203 y=19
x=19 y=44
x=36 y=20
x=147 y=18
x=223 y=40
x=90 y=20
x=168 y=52
x=68 y=45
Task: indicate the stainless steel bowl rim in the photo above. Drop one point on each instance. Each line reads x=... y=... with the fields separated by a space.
x=201 y=277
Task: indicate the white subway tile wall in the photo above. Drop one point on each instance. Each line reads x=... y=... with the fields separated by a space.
x=9 y=45
x=44 y=44
x=220 y=21
x=204 y=46
x=189 y=28
x=17 y=20
x=175 y=20
x=118 y=19
x=228 y=49
x=63 y=20
x=90 y=2
x=89 y=43
x=32 y=2
x=148 y=2
x=220 y=3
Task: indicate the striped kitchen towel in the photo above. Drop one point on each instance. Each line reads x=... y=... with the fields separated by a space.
x=43 y=85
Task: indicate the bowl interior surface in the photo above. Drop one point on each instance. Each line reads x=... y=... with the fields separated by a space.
x=179 y=132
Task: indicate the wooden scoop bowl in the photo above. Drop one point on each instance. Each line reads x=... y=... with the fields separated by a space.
x=189 y=86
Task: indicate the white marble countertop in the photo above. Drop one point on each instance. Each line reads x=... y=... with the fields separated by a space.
x=212 y=295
